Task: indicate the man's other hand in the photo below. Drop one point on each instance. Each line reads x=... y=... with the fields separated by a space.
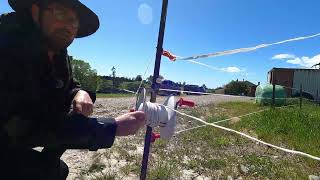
x=82 y=103
x=130 y=123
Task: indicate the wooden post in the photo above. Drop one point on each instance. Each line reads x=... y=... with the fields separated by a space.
x=273 y=93
x=300 y=96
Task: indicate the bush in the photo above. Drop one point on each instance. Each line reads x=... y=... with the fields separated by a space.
x=236 y=88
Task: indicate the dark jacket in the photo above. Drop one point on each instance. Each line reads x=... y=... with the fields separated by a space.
x=35 y=95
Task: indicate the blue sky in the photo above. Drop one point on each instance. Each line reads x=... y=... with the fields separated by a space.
x=128 y=35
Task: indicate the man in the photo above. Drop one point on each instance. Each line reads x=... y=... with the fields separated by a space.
x=37 y=90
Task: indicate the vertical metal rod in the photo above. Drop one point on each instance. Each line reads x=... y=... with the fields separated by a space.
x=300 y=96
x=147 y=142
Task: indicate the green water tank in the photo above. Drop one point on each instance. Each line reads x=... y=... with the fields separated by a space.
x=264 y=95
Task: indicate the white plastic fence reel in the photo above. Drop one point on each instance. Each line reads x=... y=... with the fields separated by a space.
x=157 y=115
x=167 y=129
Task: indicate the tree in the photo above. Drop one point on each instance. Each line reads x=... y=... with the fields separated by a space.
x=115 y=82
x=236 y=88
x=113 y=70
x=138 y=78
x=105 y=86
x=150 y=79
x=85 y=75
x=132 y=86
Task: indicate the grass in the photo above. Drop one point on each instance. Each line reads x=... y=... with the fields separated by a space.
x=111 y=95
x=162 y=171
x=211 y=150
x=96 y=165
x=163 y=168
x=109 y=176
x=232 y=109
x=264 y=166
x=290 y=126
x=213 y=112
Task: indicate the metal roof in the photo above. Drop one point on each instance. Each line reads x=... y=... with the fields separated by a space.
x=303 y=69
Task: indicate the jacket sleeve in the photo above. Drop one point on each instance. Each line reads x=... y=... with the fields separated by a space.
x=80 y=132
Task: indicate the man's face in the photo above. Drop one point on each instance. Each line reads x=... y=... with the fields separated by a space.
x=60 y=25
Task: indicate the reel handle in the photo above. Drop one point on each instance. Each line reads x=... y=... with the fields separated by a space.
x=183 y=102
x=154 y=136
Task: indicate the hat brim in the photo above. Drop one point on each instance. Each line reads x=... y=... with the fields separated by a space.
x=88 y=20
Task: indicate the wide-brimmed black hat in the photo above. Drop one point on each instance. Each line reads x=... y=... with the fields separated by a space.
x=88 y=20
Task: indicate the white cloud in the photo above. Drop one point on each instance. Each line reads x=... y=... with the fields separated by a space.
x=232 y=69
x=145 y=14
x=284 y=56
x=294 y=61
x=301 y=61
x=305 y=61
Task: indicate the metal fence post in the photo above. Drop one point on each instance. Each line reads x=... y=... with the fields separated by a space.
x=147 y=142
x=273 y=93
x=317 y=97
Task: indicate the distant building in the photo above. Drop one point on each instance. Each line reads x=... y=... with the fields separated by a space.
x=251 y=88
x=242 y=88
x=291 y=79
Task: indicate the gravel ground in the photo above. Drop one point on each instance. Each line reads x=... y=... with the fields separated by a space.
x=78 y=160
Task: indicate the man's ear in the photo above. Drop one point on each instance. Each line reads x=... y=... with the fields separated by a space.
x=35 y=13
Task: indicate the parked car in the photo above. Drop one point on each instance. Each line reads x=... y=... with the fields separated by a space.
x=167 y=84
x=194 y=88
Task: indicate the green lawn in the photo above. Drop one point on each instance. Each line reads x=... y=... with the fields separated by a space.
x=296 y=129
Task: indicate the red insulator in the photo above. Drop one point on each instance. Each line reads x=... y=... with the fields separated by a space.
x=154 y=136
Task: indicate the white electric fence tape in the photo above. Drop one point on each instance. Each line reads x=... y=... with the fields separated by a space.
x=248 y=49
x=192 y=92
x=229 y=119
x=249 y=137
x=155 y=114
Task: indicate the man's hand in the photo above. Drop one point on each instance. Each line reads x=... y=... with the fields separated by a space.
x=82 y=103
x=130 y=123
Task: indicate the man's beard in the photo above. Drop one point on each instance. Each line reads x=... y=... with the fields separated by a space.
x=59 y=40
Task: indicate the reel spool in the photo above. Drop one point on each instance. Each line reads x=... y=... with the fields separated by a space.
x=157 y=115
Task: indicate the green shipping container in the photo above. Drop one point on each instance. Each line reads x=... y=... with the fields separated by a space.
x=264 y=95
